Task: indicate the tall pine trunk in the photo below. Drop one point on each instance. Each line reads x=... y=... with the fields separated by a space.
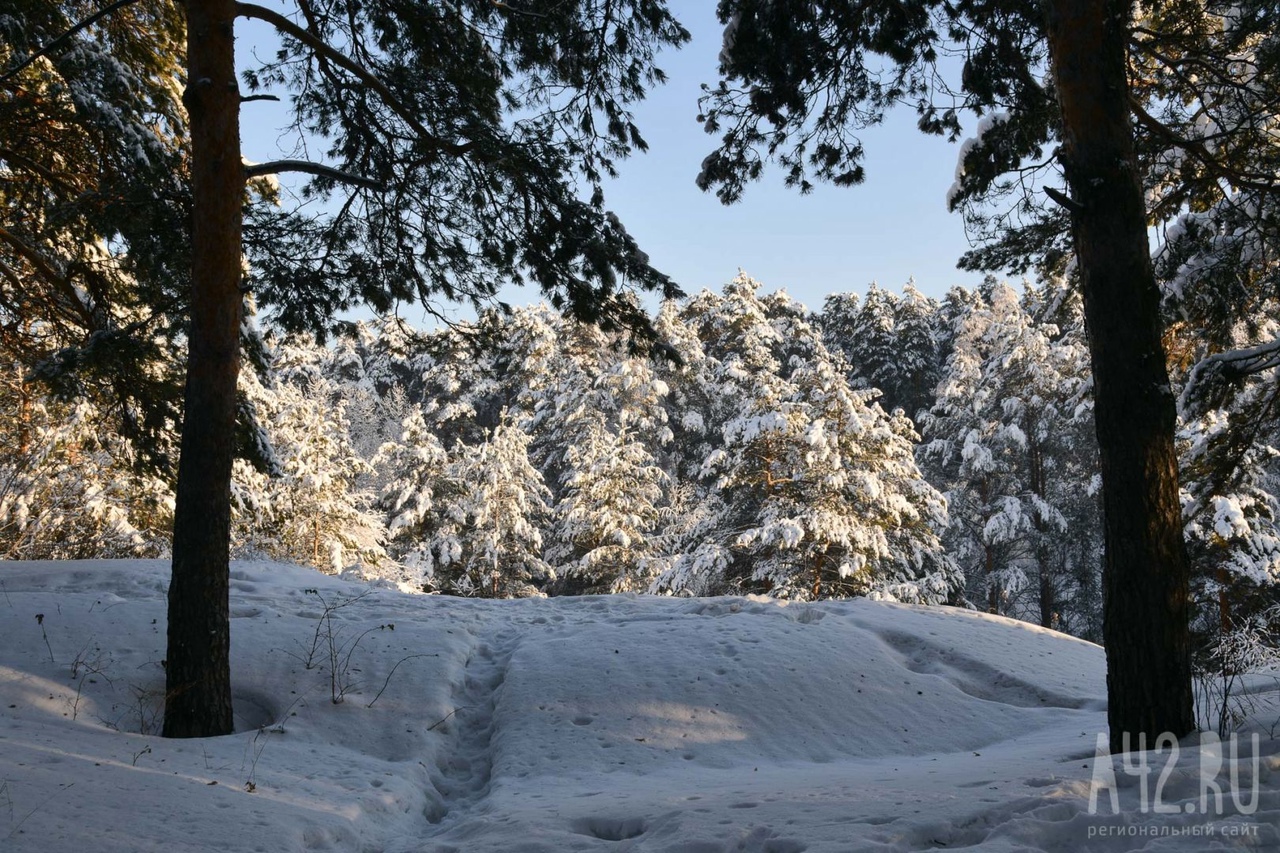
x=198 y=673
x=1146 y=575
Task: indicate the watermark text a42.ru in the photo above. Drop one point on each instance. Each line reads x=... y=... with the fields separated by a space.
x=1155 y=766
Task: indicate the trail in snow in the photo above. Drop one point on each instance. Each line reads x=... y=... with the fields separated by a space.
x=610 y=723
x=465 y=764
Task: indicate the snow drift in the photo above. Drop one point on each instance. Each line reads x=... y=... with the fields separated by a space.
x=595 y=723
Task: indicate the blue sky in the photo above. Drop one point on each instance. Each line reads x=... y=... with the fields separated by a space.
x=893 y=227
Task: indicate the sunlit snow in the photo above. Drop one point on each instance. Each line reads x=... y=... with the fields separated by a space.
x=601 y=723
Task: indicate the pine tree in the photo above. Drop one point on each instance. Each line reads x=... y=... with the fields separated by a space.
x=1009 y=436
x=67 y=491
x=487 y=539
x=415 y=485
x=310 y=508
x=821 y=492
x=473 y=373
x=694 y=557
x=608 y=513
x=448 y=196
x=919 y=367
x=839 y=314
x=872 y=345
x=858 y=59
x=93 y=210
x=1230 y=458
x=889 y=342
x=959 y=434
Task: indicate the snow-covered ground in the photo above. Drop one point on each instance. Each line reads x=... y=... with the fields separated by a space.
x=611 y=723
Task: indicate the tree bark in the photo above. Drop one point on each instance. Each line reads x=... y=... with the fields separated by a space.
x=993 y=585
x=1146 y=575
x=198 y=673
x=1039 y=488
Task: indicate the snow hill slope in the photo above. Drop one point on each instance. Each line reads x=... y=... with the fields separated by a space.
x=589 y=724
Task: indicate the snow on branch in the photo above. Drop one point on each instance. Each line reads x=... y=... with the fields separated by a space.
x=1213 y=370
x=65 y=37
x=275 y=167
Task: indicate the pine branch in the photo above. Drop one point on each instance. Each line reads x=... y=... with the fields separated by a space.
x=364 y=75
x=507 y=7
x=46 y=271
x=60 y=40
x=258 y=170
x=1064 y=200
x=1257 y=181
x=1249 y=360
x=7 y=272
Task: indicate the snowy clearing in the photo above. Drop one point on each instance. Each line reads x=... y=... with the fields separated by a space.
x=609 y=723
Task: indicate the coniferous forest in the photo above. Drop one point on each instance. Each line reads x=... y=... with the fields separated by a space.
x=1093 y=451
x=886 y=445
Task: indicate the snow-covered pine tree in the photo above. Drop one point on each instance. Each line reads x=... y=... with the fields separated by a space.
x=918 y=366
x=868 y=341
x=309 y=506
x=693 y=399
x=93 y=266
x=487 y=539
x=600 y=426
x=839 y=315
x=821 y=490
x=695 y=559
x=610 y=506
x=1009 y=435
x=473 y=373
x=415 y=468
x=374 y=369
x=69 y=491
x=1220 y=271
x=889 y=342
x=952 y=311
x=1230 y=500
x=958 y=432
x=94 y=211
